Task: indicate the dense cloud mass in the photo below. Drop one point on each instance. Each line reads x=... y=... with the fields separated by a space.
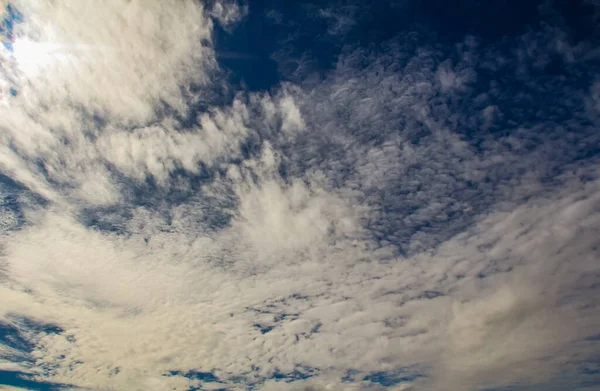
x=414 y=207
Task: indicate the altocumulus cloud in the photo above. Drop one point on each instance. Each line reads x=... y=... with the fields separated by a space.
x=418 y=216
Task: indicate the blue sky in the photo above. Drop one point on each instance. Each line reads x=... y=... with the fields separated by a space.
x=316 y=195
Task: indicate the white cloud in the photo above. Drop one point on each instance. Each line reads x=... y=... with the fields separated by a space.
x=450 y=79
x=150 y=307
x=114 y=61
x=357 y=229
x=228 y=14
x=341 y=19
x=116 y=58
x=158 y=150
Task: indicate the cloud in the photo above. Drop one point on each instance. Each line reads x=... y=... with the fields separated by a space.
x=342 y=19
x=360 y=233
x=522 y=317
x=449 y=79
x=228 y=13
x=130 y=304
x=156 y=151
x=158 y=49
x=119 y=64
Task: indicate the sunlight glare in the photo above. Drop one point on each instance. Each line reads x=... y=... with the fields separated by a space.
x=31 y=56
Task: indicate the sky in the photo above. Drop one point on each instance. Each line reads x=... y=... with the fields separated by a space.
x=300 y=195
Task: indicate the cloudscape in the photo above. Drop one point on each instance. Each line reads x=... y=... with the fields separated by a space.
x=299 y=195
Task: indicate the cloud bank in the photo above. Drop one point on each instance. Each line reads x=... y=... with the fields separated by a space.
x=425 y=216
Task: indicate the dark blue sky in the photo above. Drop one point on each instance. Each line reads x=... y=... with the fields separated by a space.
x=291 y=40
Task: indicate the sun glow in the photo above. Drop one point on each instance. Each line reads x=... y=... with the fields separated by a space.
x=31 y=56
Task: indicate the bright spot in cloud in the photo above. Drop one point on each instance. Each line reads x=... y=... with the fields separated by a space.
x=31 y=56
